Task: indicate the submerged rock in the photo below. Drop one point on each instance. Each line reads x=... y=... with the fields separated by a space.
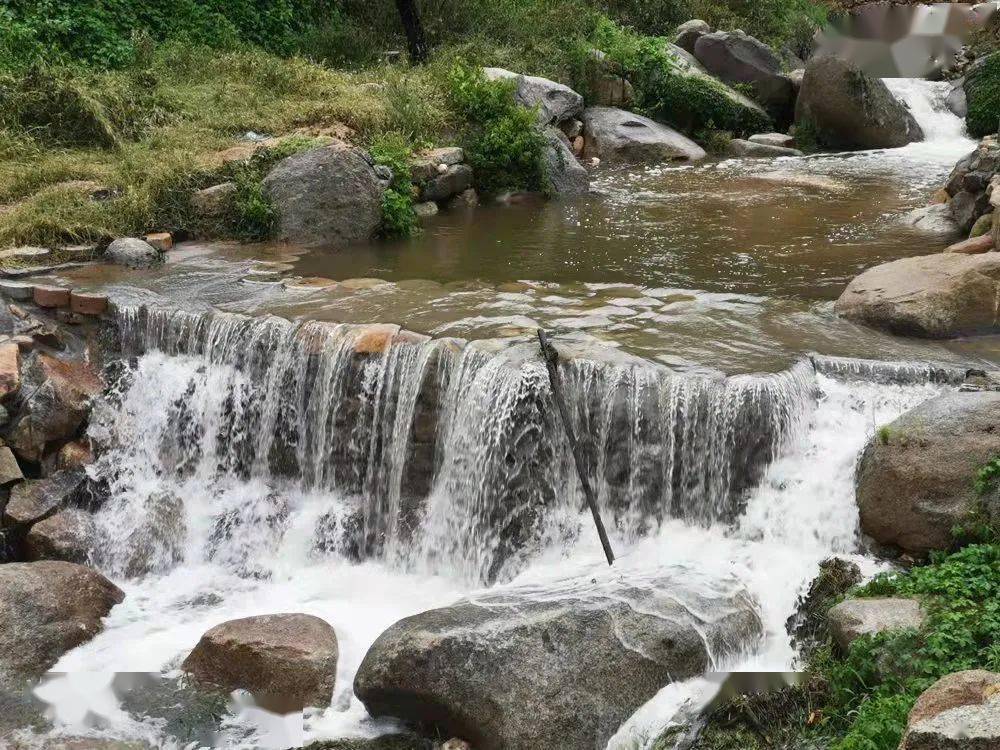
x=567 y=176
x=737 y=58
x=616 y=136
x=750 y=149
x=330 y=195
x=853 y=618
x=555 y=102
x=288 y=659
x=961 y=711
x=932 y=296
x=46 y=609
x=529 y=667
x=915 y=478
x=849 y=109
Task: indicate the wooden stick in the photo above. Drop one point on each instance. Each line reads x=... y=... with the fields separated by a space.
x=551 y=357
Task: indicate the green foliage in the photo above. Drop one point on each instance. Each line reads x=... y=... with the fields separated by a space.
x=873 y=688
x=686 y=100
x=107 y=33
x=398 y=217
x=988 y=477
x=983 y=90
x=504 y=146
x=884 y=434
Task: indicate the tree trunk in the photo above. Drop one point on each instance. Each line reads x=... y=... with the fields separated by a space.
x=410 y=17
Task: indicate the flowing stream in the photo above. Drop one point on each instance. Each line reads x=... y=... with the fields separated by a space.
x=257 y=465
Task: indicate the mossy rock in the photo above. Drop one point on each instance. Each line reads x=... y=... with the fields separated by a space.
x=982 y=90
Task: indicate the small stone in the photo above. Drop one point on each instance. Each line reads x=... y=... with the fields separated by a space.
x=595 y=161
x=311 y=282
x=426 y=165
x=215 y=200
x=578 y=145
x=19 y=312
x=88 y=303
x=363 y=283
x=973 y=246
x=853 y=618
x=773 y=139
x=426 y=209
x=456 y=744
x=17 y=290
x=374 y=339
x=162 y=241
x=10 y=470
x=10 y=369
x=51 y=296
x=466 y=199
x=68 y=317
x=941 y=196
x=452 y=181
x=74 y=455
x=132 y=253
x=982 y=226
x=442 y=168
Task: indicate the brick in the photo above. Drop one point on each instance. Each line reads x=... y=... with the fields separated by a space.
x=51 y=296
x=88 y=303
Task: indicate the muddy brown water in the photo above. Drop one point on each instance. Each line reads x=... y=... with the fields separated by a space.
x=731 y=265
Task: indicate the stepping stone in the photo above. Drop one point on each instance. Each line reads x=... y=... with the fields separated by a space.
x=162 y=241
x=363 y=283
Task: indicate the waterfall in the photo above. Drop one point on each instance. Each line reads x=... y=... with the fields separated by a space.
x=419 y=445
x=926 y=101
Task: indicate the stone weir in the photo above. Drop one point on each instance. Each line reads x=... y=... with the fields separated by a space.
x=439 y=441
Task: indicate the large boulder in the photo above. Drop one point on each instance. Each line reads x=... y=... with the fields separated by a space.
x=961 y=711
x=555 y=102
x=932 y=296
x=735 y=57
x=566 y=175
x=69 y=535
x=616 y=136
x=289 y=659
x=55 y=406
x=553 y=667
x=915 y=478
x=853 y=618
x=969 y=186
x=689 y=32
x=330 y=195
x=848 y=109
x=46 y=609
x=132 y=253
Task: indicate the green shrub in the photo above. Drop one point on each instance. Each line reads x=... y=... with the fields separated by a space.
x=393 y=150
x=686 y=100
x=103 y=33
x=504 y=145
x=983 y=89
x=873 y=688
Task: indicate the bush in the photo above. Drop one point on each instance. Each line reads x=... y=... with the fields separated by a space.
x=983 y=90
x=688 y=101
x=872 y=690
x=504 y=147
x=104 y=33
x=393 y=150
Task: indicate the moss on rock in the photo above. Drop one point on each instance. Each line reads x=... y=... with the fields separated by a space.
x=982 y=90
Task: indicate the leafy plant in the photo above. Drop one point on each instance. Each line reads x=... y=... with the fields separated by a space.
x=393 y=150
x=872 y=690
x=505 y=146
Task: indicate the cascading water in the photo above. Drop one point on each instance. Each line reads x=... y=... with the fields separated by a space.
x=363 y=474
